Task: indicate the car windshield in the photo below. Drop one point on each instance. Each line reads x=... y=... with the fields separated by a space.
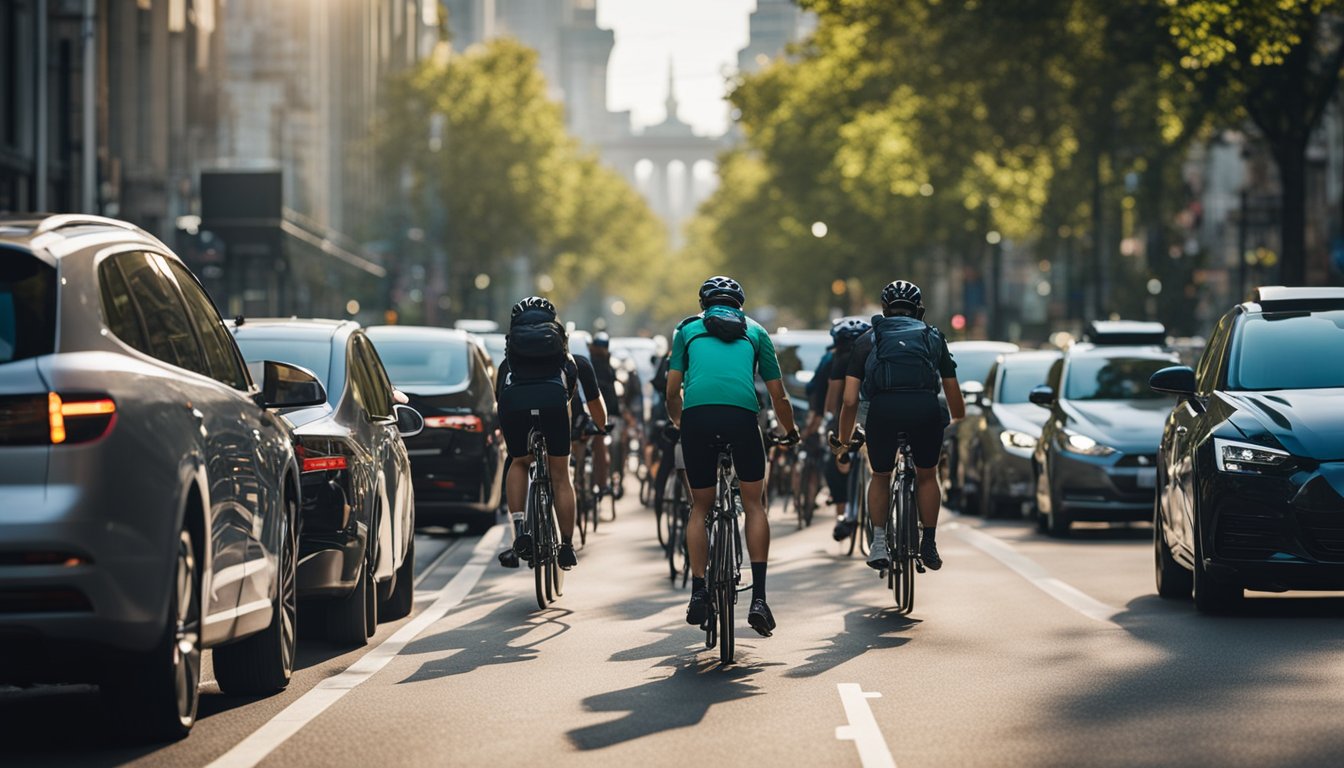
x=1285 y=350
x=974 y=364
x=800 y=358
x=1113 y=378
x=440 y=363
x=313 y=354
x=27 y=307
x=1019 y=376
x=494 y=345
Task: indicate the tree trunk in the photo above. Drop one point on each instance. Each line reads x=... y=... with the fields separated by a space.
x=1291 y=157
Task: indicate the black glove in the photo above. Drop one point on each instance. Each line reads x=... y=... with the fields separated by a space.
x=790 y=439
x=837 y=447
x=607 y=429
x=671 y=433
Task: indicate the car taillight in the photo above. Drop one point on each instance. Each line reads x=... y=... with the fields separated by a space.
x=319 y=455
x=54 y=419
x=323 y=463
x=467 y=423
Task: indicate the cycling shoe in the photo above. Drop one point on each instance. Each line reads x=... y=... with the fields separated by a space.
x=698 y=609
x=761 y=619
x=566 y=557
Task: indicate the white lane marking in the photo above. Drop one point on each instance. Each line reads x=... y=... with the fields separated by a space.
x=862 y=728
x=1031 y=571
x=306 y=708
x=448 y=550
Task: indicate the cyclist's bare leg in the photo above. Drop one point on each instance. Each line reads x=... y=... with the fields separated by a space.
x=879 y=498
x=601 y=463
x=697 y=541
x=928 y=494
x=515 y=485
x=758 y=527
x=564 y=495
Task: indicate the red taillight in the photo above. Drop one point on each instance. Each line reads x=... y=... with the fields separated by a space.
x=323 y=463
x=466 y=423
x=89 y=415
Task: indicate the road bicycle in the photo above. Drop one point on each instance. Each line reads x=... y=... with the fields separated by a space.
x=860 y=475
x=676 y=511
x=903 y=530
x=549 y=578
x=807 y=480
x=723 y=570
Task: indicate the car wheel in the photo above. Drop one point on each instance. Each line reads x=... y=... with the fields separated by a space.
x=1211 y=595
x=403 y=594
x=154 y=696
x=1174 y=582
x=264 y=662
x=348 y=617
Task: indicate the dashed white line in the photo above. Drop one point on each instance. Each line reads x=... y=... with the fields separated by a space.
x=1038 y=576
x=862 y=728
x=292 y=719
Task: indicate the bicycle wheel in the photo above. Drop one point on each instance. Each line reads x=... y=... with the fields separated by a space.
x=903 y=563
x=712 y=579
x=676 y=547
x=865 y=518
x=807 y=501
x=725 y=592
x=911 y=540
x=535 y=498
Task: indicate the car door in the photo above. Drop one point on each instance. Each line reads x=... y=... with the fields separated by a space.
x=1188 y=426
x=165 y=332
x=252 y=438
x=389 y=451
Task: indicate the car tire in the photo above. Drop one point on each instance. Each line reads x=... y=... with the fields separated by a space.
x=1212 y=597
x=154 y=696
x=347 y=617
x=1174 y=582
x=264 y=662
x=401 y=601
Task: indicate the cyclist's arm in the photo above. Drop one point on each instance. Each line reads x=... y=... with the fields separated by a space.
x=598 y=411
x=783 y=408
x=849 y=411
x=956 y=406
x=835 y=393
x=674 y=401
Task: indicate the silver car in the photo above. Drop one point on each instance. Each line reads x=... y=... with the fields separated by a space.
x=148 y=492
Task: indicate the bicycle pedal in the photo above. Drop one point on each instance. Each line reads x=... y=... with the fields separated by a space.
x=919 y=567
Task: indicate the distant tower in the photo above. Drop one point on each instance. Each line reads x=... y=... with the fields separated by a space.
x=774 y=24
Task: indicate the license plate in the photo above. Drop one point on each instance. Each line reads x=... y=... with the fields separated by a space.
x=1146 y=478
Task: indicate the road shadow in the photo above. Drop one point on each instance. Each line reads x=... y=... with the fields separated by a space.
x=866 y=629
x=678 y=700
x=1219 y=688
x=496 y=638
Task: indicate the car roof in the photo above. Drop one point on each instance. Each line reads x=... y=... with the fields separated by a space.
x=416 y=332
x=1030 y=356
x=297 y=328
x=53 y=236
x=986 y=346
x=1278 y=298
x=1086 y=349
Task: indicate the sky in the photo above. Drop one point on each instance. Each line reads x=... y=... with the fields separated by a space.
x=701 y=37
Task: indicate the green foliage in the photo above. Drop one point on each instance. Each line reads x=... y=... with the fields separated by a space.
x=492 y=173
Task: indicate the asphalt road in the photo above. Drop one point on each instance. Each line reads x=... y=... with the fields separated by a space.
x=1021 y=651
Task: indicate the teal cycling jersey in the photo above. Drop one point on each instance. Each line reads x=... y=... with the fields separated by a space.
x=718 y=372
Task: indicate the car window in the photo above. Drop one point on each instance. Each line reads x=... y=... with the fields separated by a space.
x=309 y=353
x=27 y=307
x=215 y=340
x=1206 y=373
x=363 y=381
x=119 y=311
x=1019 y=377
x=382 y=385
x=166 y=331
x=1289 y=350
x=441 y=363
x=974 y=364
x=1113 y=378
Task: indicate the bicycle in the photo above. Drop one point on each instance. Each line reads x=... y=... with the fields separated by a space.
x=903 y=529
x=807 y=480
x=677 y=513
x=547 y=575
x=860 y=475
x=723 y=570
x=585 y=494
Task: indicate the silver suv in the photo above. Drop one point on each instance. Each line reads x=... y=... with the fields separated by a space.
x=148 y=493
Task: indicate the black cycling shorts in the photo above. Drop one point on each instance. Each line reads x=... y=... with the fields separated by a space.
x=704 y=427
x=516 y=421
x=918 y=414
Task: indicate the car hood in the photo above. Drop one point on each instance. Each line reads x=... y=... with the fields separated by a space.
x=1131 y=426
x=1306 y=422
x=1021 y=417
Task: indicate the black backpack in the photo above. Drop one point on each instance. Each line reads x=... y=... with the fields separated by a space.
x=536 y=346
x=904 y=357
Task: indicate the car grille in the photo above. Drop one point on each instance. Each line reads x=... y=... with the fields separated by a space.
x=1323 y=534
x=1243 y=535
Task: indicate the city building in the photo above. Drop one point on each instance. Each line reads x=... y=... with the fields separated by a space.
x=774 y=25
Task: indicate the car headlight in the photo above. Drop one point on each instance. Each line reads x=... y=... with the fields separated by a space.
x=1246 y=458
x=1014 y=439
x=1076 y=443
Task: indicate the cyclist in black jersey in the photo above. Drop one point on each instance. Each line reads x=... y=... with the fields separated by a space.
x=844 y=332
x=600 y=354
x=534 y=387
x=898 y=367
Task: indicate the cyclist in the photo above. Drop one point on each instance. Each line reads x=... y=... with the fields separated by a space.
x=898 y=367
x=711 y=399
x=600 y=354
x=844 y=332
x=539 y=376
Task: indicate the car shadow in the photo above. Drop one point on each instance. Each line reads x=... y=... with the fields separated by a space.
x=668 y=702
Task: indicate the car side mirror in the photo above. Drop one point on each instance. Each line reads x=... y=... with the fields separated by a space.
x=409 y=421
x=289 y=386
x=973 y=392
x=1175 y=380
x=1042 y=395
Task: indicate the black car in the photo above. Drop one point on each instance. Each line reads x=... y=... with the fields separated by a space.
x=1251 y=467
x=357 y=542
x=458 y=461
x=1096 y=459
x=973 y=359
x=997 y=437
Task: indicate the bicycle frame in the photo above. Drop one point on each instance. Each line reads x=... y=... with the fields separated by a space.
x=723 y=570
x=549 y=579
x=903 y=531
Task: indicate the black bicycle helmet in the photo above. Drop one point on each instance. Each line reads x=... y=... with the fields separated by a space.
x=847 y=330
x=532 y=302
x=903 y=294
x=720 y=287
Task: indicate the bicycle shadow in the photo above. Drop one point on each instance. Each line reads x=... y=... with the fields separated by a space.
x=866 y=629
x=679 y=700
x=489 y=641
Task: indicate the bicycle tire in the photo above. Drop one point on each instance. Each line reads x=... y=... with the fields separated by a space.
x=676 y=544
x=911 y=540
x=864 y=523
x=725 y=592
x=538 y=562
